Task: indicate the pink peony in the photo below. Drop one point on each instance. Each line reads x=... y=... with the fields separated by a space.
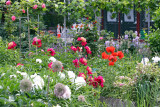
x=83 y=43
x=82 y=75
x=23 y=11
x=11 y=45
x=76 y=63
x=13 y=18
x=8 y=2
x=51 y=51
x=100 y=80
x=43 y=5
x=37 y=42
x=35 y=6
x=83 y=61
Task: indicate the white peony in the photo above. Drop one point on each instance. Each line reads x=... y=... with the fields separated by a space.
x=79 y=81
x=52 y=59
x=38 y=60
x=61 y=75
x=71 y=75
x=37 y=81
x=156 y=59
x=145 y=61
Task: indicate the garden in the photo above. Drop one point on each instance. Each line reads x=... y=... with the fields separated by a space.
x=54 y=53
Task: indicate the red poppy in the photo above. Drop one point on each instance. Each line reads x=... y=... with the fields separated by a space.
x=115 y=53
x=58 y=35
x=112 y=58
x=120 y=54
x=104 y=55
x=111 y=63
x=110 y=49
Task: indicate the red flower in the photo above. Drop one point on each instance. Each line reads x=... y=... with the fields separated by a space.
x=112 y=58
x=89 y=70
x=19 y=64
x=120 y=54
x=111 y=63
x=11 y=45
x=82 y=75
x=76 y=63
x=115 y=53
x=88 y=50
x=94 y=40
x=79 y=39
x=23 y=11
x=83 y=61
x=58 y=35
x=13 y=18
x=87 y=18
x=79 y=49
x=37 y=42
x=110 y=49
x=35 y=6
x=43 y=5
x=51 y=51
x=83 y=43
x=74 y=48
x=8 y=2
x=104 y=55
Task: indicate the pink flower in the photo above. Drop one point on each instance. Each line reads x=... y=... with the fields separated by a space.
x=43 y=5
x=89 y=70
x=23 y=11
x=37 y=42
x=100 y=80
x=76 y=63
x=74 y=48
x=19 y=64
x=83 y=61
x=88 y=50
x=51 y=51
x=13 y=18
x=83 y=43
x=42 y=50
x=79 y=49
x=121 y=84
x=82 y=75
x=8 y=2
x=100 y=38
x=50 y=65
x=11 y=45
x=35 y=6
x=79 y=39
x=31 y=53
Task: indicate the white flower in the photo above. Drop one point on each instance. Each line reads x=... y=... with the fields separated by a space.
x=52 y=59
x=57 y=105
x=3 y=74
x=67 y=94
x=79 y=81
x=71 y=75
x=12 y=76
x=11 y=98
x=37 y=81
x=156 y=59
x=38 y=60
x=24 y=74
x=145 y=61
x=61 y=75
x=1 y=87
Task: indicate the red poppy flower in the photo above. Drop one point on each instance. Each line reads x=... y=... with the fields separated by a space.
x=111 y=63
x=58 y=35
x=104 y=55
x=110 y=49
x=51 y=51
x=112 y=58
x=115 y=53
x=120 y=54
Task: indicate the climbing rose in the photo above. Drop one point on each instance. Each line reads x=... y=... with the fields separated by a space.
x=13 y=18
x=83 y=61
x=76 y=63
x=74 y=48
x=35 y=7
x=8 y=2
x=100 y=80
x=89 y=70
x=88 y=50
x=11 y=45
x=51 y=51
x=82 y=75
x=83 y=39
x=37 y=42
x=43 y=5
x=83 y=43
